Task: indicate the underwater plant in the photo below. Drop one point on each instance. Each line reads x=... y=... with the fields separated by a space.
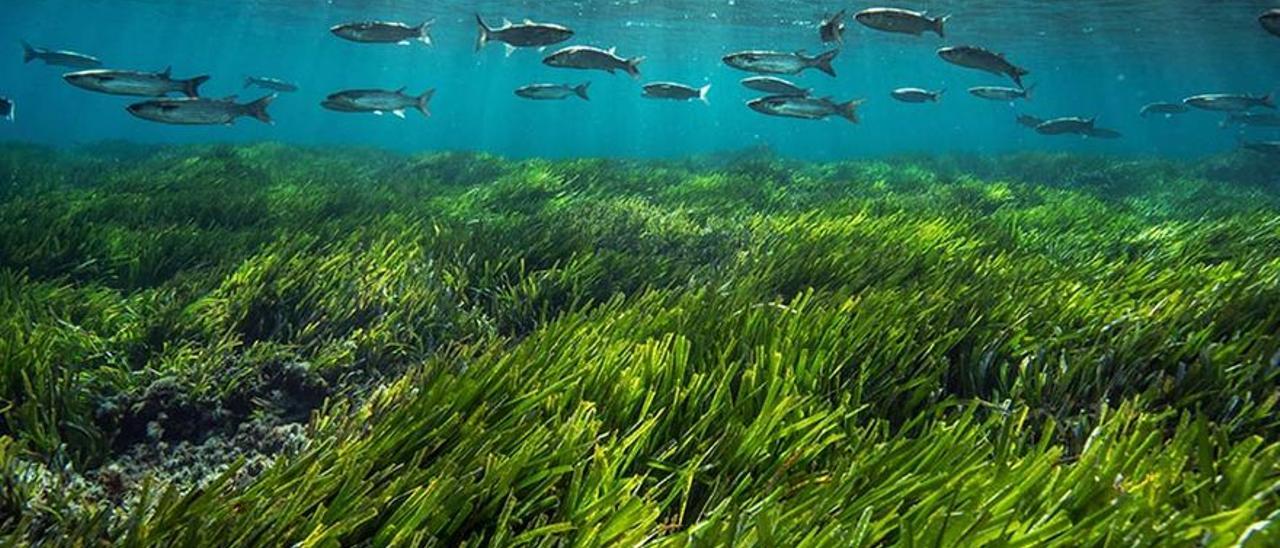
x=266 y=344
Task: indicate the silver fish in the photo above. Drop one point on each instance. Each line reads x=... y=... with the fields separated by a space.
x=916 y=95
x=808 y=108
x=197 y=111
x=775 y=62
x=589 y=58
x=981 y=59
x=1271 y=21
x=1064 y=126
x=996 y=93
x=59 y=58
x=272 y=84
x=7 y=109
x=1027 y=120
x=524 y=35
x=1223 y=102
x=774 y=86
x=1252 y=119
x=832 y=28
x=384 y=32
x=675 y=91
x=902 y=21
x=554 y=92
x=140 y=84
x=378 y=101
x=1167 y=109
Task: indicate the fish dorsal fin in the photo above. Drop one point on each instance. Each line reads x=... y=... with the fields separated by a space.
x=168 y=71
x=613 y=50
x=401 y=90
x=506 y=22
x=231 y=98
x=528 y=21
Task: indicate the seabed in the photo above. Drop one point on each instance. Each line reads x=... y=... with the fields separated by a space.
x=272 y=345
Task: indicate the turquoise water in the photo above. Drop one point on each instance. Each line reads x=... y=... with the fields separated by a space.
x=1096 y=58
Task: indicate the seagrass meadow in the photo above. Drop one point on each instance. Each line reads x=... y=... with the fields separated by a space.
x=249 y=345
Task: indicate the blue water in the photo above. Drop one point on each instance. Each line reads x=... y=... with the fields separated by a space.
x=1103 y=58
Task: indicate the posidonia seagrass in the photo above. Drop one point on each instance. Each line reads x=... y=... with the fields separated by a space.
x=740 y=351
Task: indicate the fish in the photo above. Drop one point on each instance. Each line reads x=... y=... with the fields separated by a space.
x=553 y=92
x=1263 y=147
x=7 y=109
x=1064 y=126
x=1167 y=109
x=774 y=86
x=981 y=59
x=200 y=111
x=1027 y=120
x=775 y=62
x=134 y=83
x=590 y=58
x=379 y=101
x=902 y=21
x=272 y=84
x=384 y=32
x=524 y=35
x=996 y=93
x=832 y=28
x=917 y=95
x=61 y=58
x=1271 y=21
x=1223 y=102
x=808 y=108
x=1252 y=119
x=678 y=92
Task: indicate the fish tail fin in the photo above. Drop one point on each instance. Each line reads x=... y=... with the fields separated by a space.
x=424 y=32
x=1017 y=75
x=633 y=67
x=423 y=102
x=939 y=25
x=938 y=96
x=13 y=112
x=1269 y=100
x=1026 y=92
x=823 y=62
x=258 y=109
x=702 y=94
x=28 y=53
x=485 y=32
x=581 y=90
x=248 y=81
x=849 y=110
x=191 y=88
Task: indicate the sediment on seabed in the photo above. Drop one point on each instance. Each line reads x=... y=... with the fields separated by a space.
x=237 y=345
